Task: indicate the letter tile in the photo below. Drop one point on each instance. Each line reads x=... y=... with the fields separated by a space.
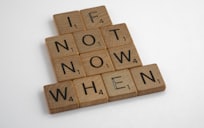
x=96 y=17
x=90 y=90
x=89 y=40
x=96 y=62
x=69 y=22
x=68 y=68
x=148 y=79
x=116 y=35
x=61 y=46
x=61 y=97
x=119 y=85
x=125 y=56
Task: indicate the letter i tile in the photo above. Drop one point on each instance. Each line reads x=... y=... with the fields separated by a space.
x=90 y=91
x=69 y=22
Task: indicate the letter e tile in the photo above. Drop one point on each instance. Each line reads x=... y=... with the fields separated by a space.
x=90 y=90
x=148 y=79
x=61 y=97
x=119 y=85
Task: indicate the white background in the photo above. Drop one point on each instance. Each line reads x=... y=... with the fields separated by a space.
x=169 y=33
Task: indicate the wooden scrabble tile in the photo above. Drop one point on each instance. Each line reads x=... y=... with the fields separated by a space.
x=68 y=68
x=61 y=46
x=61 y=97
x=69 y=22
x=119 y=85
x=125 y=56
x=96 y=17
x=96 y=62
x=148 y=79
x=89 y=40
x=90 y=90
x=116 y=35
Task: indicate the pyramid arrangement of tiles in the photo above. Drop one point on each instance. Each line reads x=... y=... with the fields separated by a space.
x=95 y=62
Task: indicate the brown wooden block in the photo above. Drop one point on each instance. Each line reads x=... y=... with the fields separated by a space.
x=116 y=35
x=89 y=40
x=148 y=79
x=90 y=91
x=61 y=97
x=61 y=46
x=96 y=62
x=68 y=68
x=69 y=22
x=119 y=85
x=96 y=17
x=125 y=56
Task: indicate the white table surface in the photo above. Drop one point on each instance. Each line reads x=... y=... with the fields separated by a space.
x=169 y=33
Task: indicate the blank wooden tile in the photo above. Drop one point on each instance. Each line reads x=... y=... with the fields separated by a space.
x=96 y=17
x=116 y=35
x=125 y=56
x=96 y=62
x=89 y=40
x=68 y=68
x=61 y=46
x=119 y=85
x=90 y=91
x=148 y=79
x=69 y=22
x=61 y=97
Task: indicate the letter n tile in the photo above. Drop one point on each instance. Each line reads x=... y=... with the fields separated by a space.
x=68 y=68
x=148 y=79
